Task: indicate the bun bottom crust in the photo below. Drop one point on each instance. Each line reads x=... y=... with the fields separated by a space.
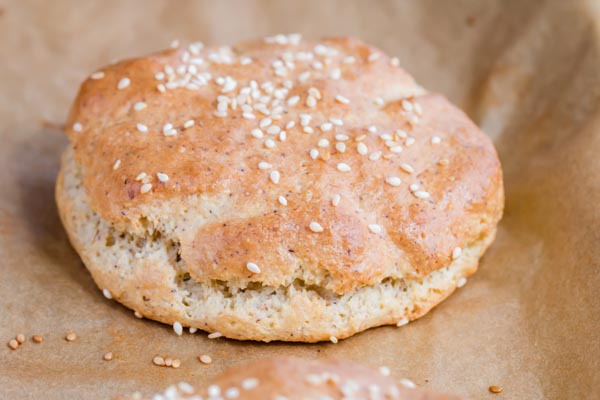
x=144 y=273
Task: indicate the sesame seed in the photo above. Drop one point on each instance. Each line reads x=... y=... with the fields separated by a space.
x=282 y=136
x=315 y=227
x=108 y=356
x=273 y=129
x=186 y=388
x=146 y=187
x=396 y=149
x=249 y=383
x=418 y=108
x=349 y=60
x=414 y=187
x=379 y=101
x=264 y=165
x=314 y=153
x=107 y=293
x=249 y=115
x=311 y=101
x=308 y=129
x=336 y=121
x=421 y=194
x=360 y=138
x=410 y=141
x=436 y=140
x=375 y=156
x=215 y=335
x=393 y=180
x=20 y=338
x=292 y=101
x=323 y=143
x=343 y=167
x=335 y=200
x=461 y=282
x=205 y=359
x=336 y=73
x=139 y=106
x=178 y=328
x=374 y=228
x=456 y=253
x=394 y=62
x=373 y=56
x=402 y=322
x=401 y=134
x=37 y=339
x=159 y=76
x=257 y=133
x=333 y=339
x=77 y=127
x=407 y=383
x=71 y=337
x=141 y=176
x=161 y=88
x=282 y=200
x=232 y=393
x=275 y=176
x=372 y=129
x=189 y=123
x=444 y=161
x=214 y=391
x=162 y=177
x=407 y=168
x=340 y=146
x=13 y=344
x=176 y=363
x=168 y=361
x=245 y=60
x=342 y=99
x=407 y=105
x=123 y=83
x=290 y=125
x=158 y=360
x=495 y=389
x=142 y=128
x=138 y=314
x=362 y=148
x=269 y=143
x=116 y=164
x=97 y=75
x=385 y=371
x=252 y=267
x=326 y=126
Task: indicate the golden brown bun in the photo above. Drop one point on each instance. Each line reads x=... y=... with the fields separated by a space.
x=216 y=215
x=299 y=379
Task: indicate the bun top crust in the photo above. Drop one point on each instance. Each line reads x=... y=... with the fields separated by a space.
x=294 y=378
x=323 y=162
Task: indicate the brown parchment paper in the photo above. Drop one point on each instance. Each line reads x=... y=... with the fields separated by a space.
x=528 y=72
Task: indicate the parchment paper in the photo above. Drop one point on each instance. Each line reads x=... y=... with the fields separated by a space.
x=528 y=72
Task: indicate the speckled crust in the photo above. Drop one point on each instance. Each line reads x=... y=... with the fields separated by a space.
x=299 y=379
x=218 y=211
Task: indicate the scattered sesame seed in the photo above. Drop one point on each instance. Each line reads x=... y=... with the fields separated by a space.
x=257 y=133
x=360 y=138
x=146 y=187
x=107 y=293
x=292 y=101
x=379 y=101
x=401 y=134
x=326 y=126
x=189 y=123
x=340 y=146
x=138 y=314
x=97 y=75
x=373 y=56
x=407 y=383
x=410 y=141
x=395 y=62
x=205 y=359
x=495 y=389
x=249 y=383
x=333 y=339
x=444 y=161
x=77 y=127
x=249 y=115
x=323 y=143
x=275 y=176
x=414 y=187
x=335 y=200
x=37 y=338
x=372 y=129
x=421 y=194
x=343 y=167
x=142 y=128
x=407 y=168
x=393 y=180
x=385 y=371
x=141 y=176
x=71 y=337
x=245 y=60
x=342 y=99
x=158 y=360
x=375 y=156
x=139 y=106
x=461 y=282
x=162 y=177
x=252 y=267
x=13 y=344
x=436 y=140
x=402 y=322
x=176 y=363
x=396 y=149
x=349 y=60
x=20 y=338
x=282 y=200
x=269 y=143
x=456 y=253
x=161 y=88
x=315 y=227
x=232 y=393
x=168 y=361
x=123 y=83
x=116 y=164
x=374 y=228
x=407 y=105
x=108 y=356
x=214 y=391
x=314 y=153
x=215 y=335
x=264 y=165
x=362 y=148
x=178 y=328
x=336 y=73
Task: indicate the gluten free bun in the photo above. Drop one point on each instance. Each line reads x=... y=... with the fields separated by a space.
x=299 y=379
x=275 y=190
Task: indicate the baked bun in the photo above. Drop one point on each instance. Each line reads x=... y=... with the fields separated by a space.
x=275 y=190
x=299 y=379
